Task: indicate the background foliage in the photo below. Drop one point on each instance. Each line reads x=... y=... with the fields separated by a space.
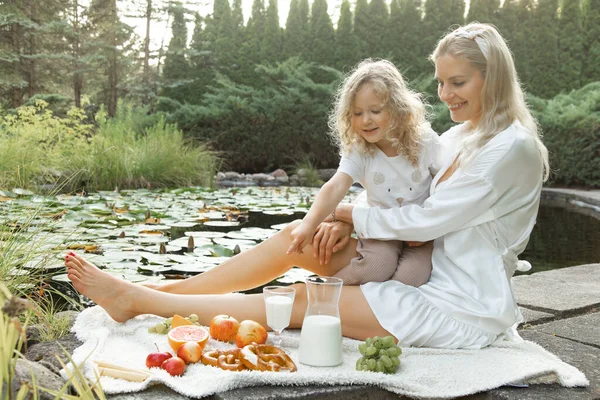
x=257 y=92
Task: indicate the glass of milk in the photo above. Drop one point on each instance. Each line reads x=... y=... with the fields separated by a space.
x=279 y=301
x=321 y=335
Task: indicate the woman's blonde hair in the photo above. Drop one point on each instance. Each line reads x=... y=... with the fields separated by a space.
x=502 y=98
x=406 y=108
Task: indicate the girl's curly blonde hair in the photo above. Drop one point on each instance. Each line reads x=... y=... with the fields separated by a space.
x=406 y=108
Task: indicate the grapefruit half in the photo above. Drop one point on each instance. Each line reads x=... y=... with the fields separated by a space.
x=187 y=333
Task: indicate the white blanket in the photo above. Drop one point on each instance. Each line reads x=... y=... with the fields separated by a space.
x=423 y=373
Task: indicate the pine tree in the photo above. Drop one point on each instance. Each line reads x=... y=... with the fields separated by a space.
x=293 y=44
x=544 y=52
x=345 y=43
x=255 y=30
x=362 y=28
x=108 y=36
x=435 y=23
x=570 y=39
x=323 y=35
x=457 y=13
x=377 y=36
x=175 y=72
x=405 y=27
x=483 y=10
x=270 y=48
x=202 y=62
x=591 y=45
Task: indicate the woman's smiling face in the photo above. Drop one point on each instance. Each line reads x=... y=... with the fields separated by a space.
x=459 y=86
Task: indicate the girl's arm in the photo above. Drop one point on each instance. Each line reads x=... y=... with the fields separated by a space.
x=327 y=199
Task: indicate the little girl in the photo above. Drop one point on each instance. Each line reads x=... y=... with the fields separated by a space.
x=388 y=147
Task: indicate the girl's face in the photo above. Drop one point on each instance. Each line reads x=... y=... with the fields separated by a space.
x=370 y=117
x=459 y=86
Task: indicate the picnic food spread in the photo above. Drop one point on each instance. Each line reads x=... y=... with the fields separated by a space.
x=188 y=340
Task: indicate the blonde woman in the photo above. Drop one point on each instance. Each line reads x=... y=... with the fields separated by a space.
x=480 y=213
x=388 y=147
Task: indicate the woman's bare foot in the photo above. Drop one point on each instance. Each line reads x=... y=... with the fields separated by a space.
x=113 y=294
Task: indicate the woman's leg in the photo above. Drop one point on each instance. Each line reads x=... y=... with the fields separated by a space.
x=124 y=300
x=259 y=265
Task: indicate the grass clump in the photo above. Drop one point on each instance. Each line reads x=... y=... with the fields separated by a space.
x=307 y=172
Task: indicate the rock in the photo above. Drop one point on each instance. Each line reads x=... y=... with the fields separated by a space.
x=302 y=173
x=262 y=177
x=232 y=176
x=220 y=176
x=43 y=378
x=33 y=334
x=326 y=174
x=278 y=173
x=69 y=314
x=46 y=352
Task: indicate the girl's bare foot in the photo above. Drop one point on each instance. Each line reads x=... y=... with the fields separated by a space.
x=113 y=294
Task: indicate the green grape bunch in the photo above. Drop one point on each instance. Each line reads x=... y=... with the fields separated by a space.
x=164 y=327
x=379 y=355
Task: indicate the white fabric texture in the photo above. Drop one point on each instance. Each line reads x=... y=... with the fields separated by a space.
x=424 y=373
x=481 y=219
x=394 y=181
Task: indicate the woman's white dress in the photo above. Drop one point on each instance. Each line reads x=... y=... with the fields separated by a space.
x=480 y=220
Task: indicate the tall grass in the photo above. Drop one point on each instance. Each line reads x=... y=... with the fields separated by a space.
x=132 y=150
x=125 y=154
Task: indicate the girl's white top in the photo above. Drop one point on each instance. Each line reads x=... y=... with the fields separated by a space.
x=480 y=219
x=394 y=181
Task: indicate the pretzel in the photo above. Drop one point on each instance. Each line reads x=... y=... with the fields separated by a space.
x=264 y=357
x=228 y=360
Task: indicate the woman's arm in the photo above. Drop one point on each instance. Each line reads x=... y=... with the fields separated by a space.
x=508 y=169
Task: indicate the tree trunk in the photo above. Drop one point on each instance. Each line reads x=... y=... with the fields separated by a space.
x=77 y=76
x=146 y=78
x=113 y=63
x=16 y=94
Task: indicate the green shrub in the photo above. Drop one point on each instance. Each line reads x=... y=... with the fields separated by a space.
x=33 y=142
x=570 y=124
x=270 y=124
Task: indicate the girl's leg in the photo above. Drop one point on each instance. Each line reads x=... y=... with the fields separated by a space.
x=414 y=266
x=259 y=265
x=377 y=262
x=123 y=300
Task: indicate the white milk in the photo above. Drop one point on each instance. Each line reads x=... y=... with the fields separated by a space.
x=321 y=341
x=279 y=311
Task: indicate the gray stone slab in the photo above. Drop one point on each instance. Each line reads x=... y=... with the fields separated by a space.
x=584 y=329
x=585 y=358
x=158 y=392
x=561 y=290
x=535 y=317
x=309 y=393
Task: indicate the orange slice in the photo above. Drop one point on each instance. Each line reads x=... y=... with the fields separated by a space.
x=187 y=333
x=178 y=320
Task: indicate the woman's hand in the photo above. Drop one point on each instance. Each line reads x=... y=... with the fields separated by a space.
x=330 y=238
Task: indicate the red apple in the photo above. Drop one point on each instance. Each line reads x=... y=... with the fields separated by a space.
x=190 y=352
x=224 y=328
x=175 y=366
x=250 y=331
x=156 y=359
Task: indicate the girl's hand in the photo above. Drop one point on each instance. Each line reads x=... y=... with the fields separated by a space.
x=300 y=236
x=330 y=238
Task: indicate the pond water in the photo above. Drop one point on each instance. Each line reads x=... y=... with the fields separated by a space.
x=146 y=235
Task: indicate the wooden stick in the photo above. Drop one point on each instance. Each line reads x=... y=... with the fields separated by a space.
x=121 y=374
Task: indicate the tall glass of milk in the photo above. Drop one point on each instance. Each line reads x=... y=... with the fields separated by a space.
x=279 y=301
x=321 y=335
